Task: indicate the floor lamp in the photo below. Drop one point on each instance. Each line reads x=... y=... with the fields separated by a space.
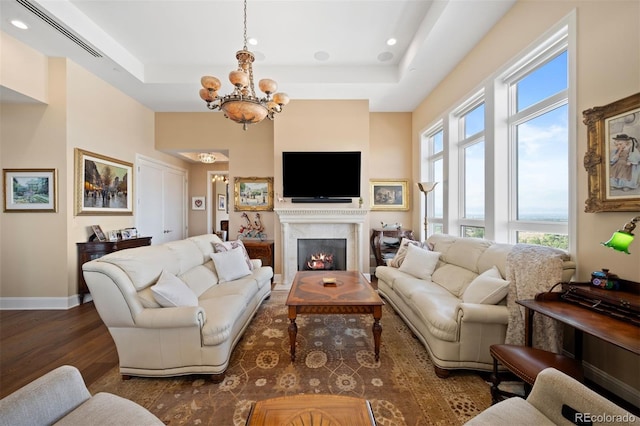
x=426 y=188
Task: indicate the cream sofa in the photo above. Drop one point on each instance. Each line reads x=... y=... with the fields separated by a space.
x=198 y=338
x=555 y=399
x=455 y=320
x=60 y=397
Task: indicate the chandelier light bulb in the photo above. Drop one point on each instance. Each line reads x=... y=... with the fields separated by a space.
x=239 y=79
x=281 y=99
x=268 y=86
x=209 y=82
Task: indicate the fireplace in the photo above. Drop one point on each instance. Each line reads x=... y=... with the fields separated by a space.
x=322 y=254
x=321 y=223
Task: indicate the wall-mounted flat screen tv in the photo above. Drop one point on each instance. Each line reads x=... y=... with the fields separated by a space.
x=321 y=176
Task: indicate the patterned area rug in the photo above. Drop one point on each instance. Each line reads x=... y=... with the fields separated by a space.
x=334 y=356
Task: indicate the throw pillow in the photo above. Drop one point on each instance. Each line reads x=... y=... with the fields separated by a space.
x=230 y=245
x=486 y=288
x=230 y=265
x=170 y=291
x=402 y=251
x=419 y=262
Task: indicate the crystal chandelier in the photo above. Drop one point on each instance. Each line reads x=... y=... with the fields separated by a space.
x=242 y=105
x=207 y=157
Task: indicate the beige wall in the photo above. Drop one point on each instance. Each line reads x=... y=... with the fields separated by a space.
x=39 y=257
x=608 y=69
x=23 y=69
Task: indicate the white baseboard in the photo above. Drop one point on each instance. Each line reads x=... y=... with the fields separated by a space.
x=612 y=384
x=38 y=303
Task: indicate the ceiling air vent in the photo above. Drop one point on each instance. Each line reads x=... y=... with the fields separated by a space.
x=58 y=27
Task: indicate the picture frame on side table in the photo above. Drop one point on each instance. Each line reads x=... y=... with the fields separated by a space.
x=103 y=185
x=612 y=159
x=99 y=234
x=389 y=194
x=253 y=194
x=30 y=190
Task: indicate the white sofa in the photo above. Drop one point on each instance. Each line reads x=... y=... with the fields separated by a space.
x=442 y=307
x=198 y=338
x=60 y=397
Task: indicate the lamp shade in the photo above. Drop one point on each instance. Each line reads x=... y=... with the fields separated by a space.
x=620 y=241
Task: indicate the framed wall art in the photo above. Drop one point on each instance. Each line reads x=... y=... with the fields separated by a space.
x=103 y=185
x=391 y=194
x=30 y=190
x=253 y=194
x=222 y=202
x=612 y=160
x=198 y=203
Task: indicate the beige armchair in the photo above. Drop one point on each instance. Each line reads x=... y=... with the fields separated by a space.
x=556 y=399
x=60 y=397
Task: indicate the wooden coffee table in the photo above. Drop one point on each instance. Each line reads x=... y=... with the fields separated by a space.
x=311 y=410
x=351 y=294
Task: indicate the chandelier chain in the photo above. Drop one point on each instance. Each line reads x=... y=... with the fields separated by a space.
x=245 y=25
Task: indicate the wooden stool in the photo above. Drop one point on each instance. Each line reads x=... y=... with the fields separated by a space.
x=526 y=362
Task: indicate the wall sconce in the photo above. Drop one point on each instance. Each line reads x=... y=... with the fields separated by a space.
x=426 y=188
x=621 y=239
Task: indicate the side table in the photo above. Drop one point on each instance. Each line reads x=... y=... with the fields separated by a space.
x=96 y=249
x=261 y=249
x=386 y=242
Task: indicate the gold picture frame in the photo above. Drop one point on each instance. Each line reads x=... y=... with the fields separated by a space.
x=30 y=190
x=612 y=159
x=253 y=194
x=389 y=194
x=103 y=185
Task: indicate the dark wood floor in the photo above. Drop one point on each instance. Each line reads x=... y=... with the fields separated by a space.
x=33 y=343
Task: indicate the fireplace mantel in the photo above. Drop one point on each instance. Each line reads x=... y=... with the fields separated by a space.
x=315 y=222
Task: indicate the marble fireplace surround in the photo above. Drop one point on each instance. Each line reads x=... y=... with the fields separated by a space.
x=320 y=223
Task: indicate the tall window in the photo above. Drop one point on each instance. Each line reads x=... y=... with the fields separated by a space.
x=433 y=144
x=471 y=148
x=505 y=152
x=538 y=123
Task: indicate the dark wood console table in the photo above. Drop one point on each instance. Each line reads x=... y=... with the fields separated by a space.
x=383 y=250
x=96 y=249
x=615 y=331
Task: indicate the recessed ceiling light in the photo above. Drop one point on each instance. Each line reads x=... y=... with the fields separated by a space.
x=321 y=55
x=391 y=41
x=19 y=24
x=385 y=56
x=252 y=41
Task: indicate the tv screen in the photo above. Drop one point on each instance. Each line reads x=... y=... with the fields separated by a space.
x=321 y=175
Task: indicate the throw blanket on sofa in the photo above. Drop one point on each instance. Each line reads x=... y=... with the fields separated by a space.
x=533 y=269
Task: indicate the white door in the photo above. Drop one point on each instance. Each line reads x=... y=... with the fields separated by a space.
x=161 y=201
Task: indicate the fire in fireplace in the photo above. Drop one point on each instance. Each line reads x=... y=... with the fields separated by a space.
x=322 y=254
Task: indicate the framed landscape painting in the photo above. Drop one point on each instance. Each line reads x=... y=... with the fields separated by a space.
x=30 y=190
x=389 y=194
x=253 y=194
x=612 y=160
x=103 y=185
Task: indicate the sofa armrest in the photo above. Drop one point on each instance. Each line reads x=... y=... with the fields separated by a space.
x=479 y=313
x=45 y=400
x=183 y=316
x=257 y=263
x=553 y=389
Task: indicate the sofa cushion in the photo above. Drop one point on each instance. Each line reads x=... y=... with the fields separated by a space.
x=454 y=278
x=205 y=244
x=487 y=288
x=438 y=314
x=170 y=291
x=187 y=254
x=419 y=262
x=143 y=265
x=200 y=278
x=397 y=260
x=465 y=252
x=222 y=313
x=230 y=265
x=230 y=245
x=108 y=409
